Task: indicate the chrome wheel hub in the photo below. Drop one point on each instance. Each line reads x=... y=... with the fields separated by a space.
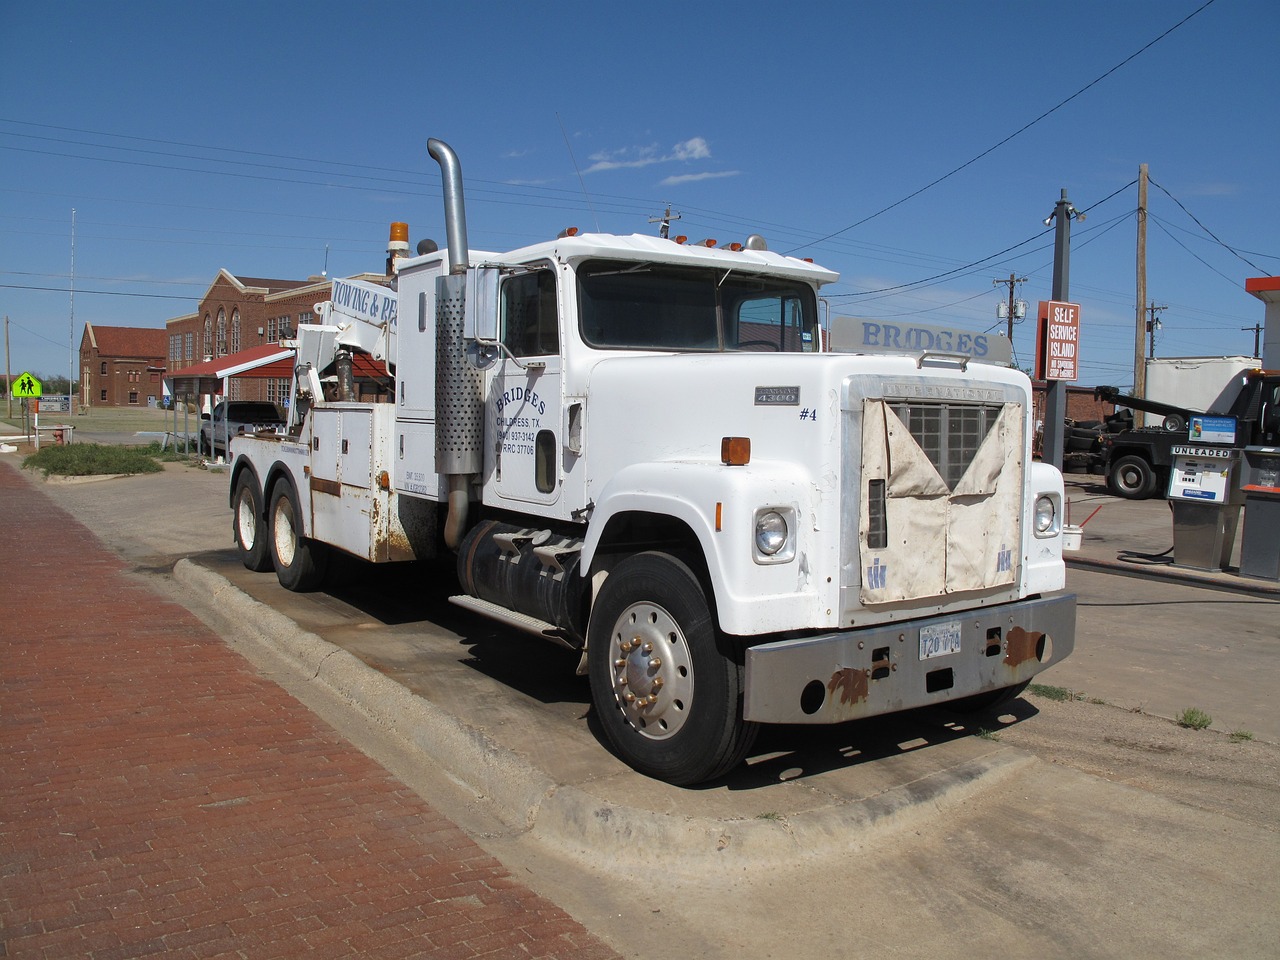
x=652 y=670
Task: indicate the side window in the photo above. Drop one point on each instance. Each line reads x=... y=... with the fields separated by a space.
x=529 y=315
x=773 y=323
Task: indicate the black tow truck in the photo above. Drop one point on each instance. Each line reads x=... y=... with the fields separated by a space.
x=1137 y=461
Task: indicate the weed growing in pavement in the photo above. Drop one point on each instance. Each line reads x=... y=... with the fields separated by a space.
x=1241 y=736
x=986 y=734
x=1194 y=718
x=1050 y=692
x=91 y=459
x=769 y=816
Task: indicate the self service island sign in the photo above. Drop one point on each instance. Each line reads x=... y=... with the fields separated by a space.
x=1058 y=341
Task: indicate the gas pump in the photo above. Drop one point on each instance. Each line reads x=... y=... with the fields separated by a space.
x=1260 y=482
x=1203 y=494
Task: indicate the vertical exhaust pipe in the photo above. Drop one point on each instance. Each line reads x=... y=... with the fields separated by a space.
x=459 y=387
x=455 y=219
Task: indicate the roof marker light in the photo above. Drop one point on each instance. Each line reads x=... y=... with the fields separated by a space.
x=681 y=239
x=567 y=232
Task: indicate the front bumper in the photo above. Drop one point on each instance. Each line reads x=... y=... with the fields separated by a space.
x=864 y=673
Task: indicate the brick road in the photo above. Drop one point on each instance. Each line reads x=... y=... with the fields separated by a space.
x=157 y=796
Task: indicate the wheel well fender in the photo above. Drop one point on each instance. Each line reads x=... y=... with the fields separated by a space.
x=243 y=466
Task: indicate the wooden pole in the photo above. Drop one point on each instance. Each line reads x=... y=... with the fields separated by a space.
x=1139 y=361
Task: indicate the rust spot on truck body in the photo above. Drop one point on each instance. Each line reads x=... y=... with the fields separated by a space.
x=852 y=684
x=1021 y=646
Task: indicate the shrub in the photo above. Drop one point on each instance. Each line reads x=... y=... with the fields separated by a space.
x=91 y=459
x=1194 y=719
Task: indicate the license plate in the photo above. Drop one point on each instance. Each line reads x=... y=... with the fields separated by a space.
x=939 y=640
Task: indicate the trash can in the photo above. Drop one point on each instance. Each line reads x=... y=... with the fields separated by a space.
x=1260 y=482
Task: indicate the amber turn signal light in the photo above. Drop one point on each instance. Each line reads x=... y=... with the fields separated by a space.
x=735 y=451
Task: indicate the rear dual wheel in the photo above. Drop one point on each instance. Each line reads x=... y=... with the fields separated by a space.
x=299 y=561
x=248 y=524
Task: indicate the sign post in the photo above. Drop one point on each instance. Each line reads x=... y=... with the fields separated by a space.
x=28 y=387
x=1058 y=341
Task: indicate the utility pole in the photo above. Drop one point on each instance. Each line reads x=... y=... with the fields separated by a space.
x=1015 y=309
x=665 y=220
x=1152 y=326
x=1055 y=394
x=8 y=377
x=1257 y=337
x=1139 y=365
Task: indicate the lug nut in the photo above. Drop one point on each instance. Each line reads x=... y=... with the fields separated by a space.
x=655 y=663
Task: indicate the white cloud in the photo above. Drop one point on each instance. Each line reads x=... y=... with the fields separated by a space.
x=694 y=177
x=695 y=148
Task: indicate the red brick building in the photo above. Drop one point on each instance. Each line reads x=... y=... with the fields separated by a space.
x=121 y=366
x=237 y=313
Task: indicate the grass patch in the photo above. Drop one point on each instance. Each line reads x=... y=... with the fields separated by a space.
x=1059 y=694
x=1241 y=736
x=92 y=459
x=769 y=816
x=986 y=734
x=1193 y=718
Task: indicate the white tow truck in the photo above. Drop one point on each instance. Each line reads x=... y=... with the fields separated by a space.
x=646 y=450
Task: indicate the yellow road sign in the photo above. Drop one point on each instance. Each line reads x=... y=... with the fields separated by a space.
x=27 y=386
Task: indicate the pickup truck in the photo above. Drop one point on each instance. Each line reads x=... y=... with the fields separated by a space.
x=232 y=417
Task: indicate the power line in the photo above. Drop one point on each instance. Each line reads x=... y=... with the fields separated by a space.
x=1159 y=223
x=1019 y=131
x=1220 y=242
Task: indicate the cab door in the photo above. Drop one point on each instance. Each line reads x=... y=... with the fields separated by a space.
x=525 y=393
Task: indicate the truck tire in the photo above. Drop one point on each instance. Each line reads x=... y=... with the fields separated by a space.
x=1132 y=478
x=248 y=524
x=666 y=684
x=300 y=563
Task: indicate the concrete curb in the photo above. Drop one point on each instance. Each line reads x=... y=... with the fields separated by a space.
x=566 y=817
x=1223 y=581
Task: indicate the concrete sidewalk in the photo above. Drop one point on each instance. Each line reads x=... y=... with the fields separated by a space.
x=159 y=796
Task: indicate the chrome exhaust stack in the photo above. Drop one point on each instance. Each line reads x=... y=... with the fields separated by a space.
x=459 y=386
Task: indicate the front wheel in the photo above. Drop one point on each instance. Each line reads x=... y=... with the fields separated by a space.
x=667 y=685
x=248 y=526
x=300 y=563
x=1132 y=478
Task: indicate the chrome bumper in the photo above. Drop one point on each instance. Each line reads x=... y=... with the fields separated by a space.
x=877 y=670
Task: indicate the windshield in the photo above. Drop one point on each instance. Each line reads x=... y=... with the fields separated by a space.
x=646 y=306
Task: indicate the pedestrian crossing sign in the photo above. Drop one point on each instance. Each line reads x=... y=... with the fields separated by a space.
x=27 y=386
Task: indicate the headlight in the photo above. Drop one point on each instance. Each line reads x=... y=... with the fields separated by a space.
x=771 y=532
x=1046 y=516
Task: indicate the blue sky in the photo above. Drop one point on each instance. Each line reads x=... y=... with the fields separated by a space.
x=264 y=137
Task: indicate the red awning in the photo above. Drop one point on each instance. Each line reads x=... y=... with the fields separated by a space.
x=268 y=361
